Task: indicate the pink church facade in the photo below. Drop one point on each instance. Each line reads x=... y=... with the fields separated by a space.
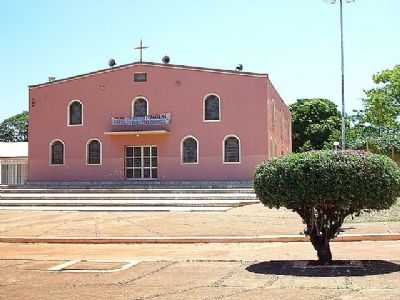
x=150 y=121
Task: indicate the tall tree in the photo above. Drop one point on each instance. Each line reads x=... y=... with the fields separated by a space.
x=15 y=128
x=382 y=103
x=316 y=123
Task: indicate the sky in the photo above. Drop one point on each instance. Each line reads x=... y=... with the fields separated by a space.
x=297 y=42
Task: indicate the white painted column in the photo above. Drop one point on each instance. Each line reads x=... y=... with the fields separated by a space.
x=0 y=171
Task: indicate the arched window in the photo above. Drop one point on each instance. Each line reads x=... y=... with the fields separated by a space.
x=190 y=150
x=57 y=152
x=140 y=107
x=231 y=149
x=212 y=108
x=75 y=113
x=93 y=152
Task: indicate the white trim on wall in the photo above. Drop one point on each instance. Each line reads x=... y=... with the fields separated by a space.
x=273 y=112
x=223 y=150
x=68 y=114
x=87 y=152
x=197 y=150
x=50 y=153
x=271 y=148
x=133 y=104
x=204 y=108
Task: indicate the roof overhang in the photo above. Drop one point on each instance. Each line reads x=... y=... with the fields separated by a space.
x=153 y=64
x=13 y=150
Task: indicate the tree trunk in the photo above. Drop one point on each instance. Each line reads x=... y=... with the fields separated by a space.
x=321 y=245
x=324 y=254
x=323 y=224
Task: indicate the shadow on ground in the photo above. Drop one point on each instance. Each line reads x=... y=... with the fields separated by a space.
x=308 y=268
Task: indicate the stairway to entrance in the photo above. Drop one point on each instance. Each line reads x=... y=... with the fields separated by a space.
x=144 y=197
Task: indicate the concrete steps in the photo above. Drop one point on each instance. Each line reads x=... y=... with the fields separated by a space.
x=144 y=184
x=118 y=190
x=126 y=196
x=112 y=202
x=117 y=208
x=125 y=199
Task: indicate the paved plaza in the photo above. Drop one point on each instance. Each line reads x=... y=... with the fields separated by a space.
x=198 y=271
x=251 y=220
x=40 y=271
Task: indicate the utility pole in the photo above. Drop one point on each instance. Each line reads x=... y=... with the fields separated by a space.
x=342 y=71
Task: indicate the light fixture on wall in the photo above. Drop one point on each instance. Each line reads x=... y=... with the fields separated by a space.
x=111 y=62
x=166 y=59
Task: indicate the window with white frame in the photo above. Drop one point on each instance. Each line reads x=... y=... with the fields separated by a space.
x=189 y=149
x=93 y=152
x=231 y=149
x=57 y=153
x=212 y=108
x=75 y=113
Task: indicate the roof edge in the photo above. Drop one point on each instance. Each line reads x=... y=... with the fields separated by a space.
x=170 y=66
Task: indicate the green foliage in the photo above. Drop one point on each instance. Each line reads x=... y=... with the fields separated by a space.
x=15 y=129
x=324 y=187
x=381 y=140
x=385 y=142
x=382 y=104
x=315 y=124
x=349 y=181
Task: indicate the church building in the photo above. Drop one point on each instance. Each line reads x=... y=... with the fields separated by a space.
x=155 y=121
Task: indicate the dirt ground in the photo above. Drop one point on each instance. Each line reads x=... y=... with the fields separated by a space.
x=251 y=220
x=198 y=271
x=368 y=270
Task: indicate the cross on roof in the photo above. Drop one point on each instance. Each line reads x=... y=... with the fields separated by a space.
x=141 y=48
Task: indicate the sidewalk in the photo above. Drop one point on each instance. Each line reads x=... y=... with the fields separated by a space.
x=252 y=220
x=199 y=272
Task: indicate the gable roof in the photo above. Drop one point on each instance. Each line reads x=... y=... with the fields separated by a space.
x=12 y=150
x=169 y=66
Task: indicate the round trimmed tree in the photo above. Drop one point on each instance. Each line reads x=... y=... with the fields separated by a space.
x=324 y=187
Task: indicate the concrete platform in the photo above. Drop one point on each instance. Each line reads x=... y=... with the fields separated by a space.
x=196 y=239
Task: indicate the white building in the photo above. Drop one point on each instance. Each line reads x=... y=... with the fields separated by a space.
x=13 y=163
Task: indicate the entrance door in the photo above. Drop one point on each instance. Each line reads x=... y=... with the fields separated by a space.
x=141 y=162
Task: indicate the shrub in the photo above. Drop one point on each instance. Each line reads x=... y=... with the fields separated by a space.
x=324 y=187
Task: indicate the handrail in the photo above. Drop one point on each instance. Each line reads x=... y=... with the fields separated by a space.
x=158 y=119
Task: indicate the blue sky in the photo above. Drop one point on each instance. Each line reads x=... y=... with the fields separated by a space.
x=295 y=41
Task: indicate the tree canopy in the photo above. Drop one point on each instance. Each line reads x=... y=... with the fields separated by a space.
x=377 y=127
x=315 y=125
x=324 y=187
x=382 y=103
x=15 y=128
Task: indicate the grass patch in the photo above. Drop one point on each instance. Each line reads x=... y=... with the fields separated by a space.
x=389 y=215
